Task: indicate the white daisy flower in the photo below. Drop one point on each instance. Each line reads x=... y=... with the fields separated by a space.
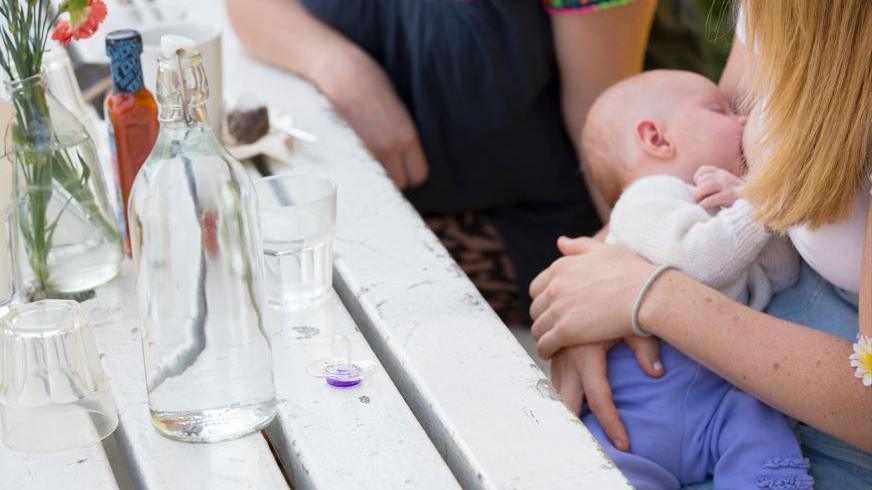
x=862 y=359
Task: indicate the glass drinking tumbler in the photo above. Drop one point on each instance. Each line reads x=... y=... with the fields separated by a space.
x=54 y=394
x=298 y=224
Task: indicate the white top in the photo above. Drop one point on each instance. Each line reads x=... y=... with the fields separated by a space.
x=835 y=250
x=658 y=218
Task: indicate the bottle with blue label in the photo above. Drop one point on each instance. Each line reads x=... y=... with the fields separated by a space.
x=131 y=114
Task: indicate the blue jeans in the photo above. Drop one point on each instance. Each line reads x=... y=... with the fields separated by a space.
x=818 y=304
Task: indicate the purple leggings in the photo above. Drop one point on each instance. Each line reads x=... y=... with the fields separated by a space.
x=691 y=425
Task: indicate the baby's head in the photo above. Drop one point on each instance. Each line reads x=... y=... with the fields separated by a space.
x=660 y=122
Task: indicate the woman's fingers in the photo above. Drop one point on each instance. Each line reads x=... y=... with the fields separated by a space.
x=396 y=170
x=647 y=351
x=590 y=361
x=543 y=323
x=416 y=166
x=576 y=246
x=567 y=381
x=541 y=282
x=552 y=339
x=539 y=306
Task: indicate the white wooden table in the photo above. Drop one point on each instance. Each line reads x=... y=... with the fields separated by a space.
x=453 y=404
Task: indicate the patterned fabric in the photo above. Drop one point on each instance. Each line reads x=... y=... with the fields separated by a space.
x=479 y=250
x=580 y=6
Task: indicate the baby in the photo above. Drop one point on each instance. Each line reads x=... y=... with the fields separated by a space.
x=664 y=147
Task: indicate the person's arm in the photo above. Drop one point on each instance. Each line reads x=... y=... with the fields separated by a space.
x=658 y=218
x=865 y=312
x=800 y=371
x=594 y=51
x=285 y=34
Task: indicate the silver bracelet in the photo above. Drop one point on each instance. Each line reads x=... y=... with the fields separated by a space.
x=638 y=304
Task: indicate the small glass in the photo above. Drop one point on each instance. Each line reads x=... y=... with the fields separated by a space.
x=298 y=224
x=54 y=394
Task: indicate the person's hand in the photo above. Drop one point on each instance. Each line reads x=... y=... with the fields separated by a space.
x=715 y=187
x=365 y=97
x=586 y=296
x=580 y=371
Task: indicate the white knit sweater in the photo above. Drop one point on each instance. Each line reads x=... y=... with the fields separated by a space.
x=658 y=218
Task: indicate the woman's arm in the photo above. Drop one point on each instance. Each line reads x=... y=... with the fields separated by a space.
x=595 y=50
x=866 y=278
x=798 y=370
x=283 y=33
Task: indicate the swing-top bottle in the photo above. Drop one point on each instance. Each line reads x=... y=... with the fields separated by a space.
x=199 y=269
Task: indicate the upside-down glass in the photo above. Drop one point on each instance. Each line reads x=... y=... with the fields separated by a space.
x=298 y=224
x=54 y=394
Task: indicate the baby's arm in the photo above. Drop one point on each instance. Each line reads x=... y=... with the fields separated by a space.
x=658 y=218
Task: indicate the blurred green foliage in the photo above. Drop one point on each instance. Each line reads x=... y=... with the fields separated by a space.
x=691 y=35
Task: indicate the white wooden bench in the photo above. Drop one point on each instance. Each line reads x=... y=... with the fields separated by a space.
x=455 y=401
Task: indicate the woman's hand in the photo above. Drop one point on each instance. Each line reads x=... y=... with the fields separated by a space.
x=365 y=97
x=580 y=371
x=586 y=297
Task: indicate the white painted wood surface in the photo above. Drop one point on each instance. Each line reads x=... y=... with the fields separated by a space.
x=83 y=468
x=467 y=379
x=363 y=437
x=154 y=461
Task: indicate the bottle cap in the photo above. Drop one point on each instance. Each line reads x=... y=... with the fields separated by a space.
x=124 y=47
x=123 y=43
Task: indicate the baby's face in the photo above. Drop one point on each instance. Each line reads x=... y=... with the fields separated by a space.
x=704 y=129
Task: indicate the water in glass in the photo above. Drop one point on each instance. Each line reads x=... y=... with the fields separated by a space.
x=198 y=255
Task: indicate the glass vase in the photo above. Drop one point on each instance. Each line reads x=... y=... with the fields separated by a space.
x=67 y=240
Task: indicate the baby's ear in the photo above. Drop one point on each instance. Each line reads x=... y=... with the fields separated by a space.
x=653 y=141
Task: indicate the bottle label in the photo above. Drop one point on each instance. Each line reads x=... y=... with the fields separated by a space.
x=126 y=67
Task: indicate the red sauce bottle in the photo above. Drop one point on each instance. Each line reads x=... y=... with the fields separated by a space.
x=131 y=114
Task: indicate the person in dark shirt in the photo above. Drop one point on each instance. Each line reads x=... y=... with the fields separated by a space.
x=470 y=105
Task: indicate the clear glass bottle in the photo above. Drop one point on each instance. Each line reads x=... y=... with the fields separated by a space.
x=199 y=270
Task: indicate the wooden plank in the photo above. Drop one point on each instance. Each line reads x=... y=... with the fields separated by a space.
x=81 y=468
x=364 y=437
x=470 y=384
x=155 y=462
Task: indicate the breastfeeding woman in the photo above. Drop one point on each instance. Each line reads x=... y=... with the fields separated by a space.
x=804 y=69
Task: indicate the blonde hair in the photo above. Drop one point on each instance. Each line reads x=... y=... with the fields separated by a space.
x=813 y=72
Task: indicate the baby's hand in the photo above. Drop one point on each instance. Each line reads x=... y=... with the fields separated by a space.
x=715 y=187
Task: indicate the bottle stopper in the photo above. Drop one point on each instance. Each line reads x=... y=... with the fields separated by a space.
x=170 y=45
